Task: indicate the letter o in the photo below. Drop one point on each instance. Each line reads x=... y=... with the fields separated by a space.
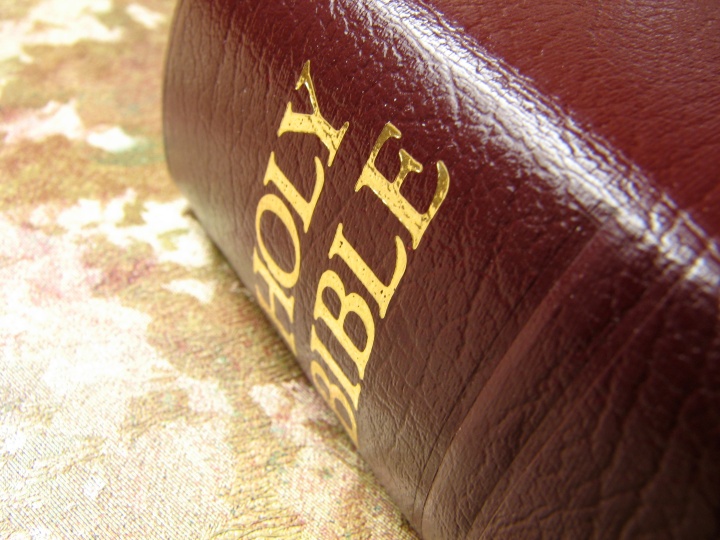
x=272 y=203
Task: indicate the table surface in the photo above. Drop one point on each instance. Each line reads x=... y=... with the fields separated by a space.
x=142 y=392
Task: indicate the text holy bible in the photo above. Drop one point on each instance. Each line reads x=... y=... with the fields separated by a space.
x=489 y=233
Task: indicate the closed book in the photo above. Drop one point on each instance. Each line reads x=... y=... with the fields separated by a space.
x=489 y=233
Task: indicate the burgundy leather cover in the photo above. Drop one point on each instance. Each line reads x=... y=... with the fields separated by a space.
x=549 y=364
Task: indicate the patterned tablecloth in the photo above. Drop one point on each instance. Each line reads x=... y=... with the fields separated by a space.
x=142 y=393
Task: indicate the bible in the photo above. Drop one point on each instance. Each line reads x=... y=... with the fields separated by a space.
x=488 y=231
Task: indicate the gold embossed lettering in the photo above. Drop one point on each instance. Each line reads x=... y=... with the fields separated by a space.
x=334 y=380
x=380 y=292
x=354 y=303
x=313 y=123
x=352 y=390
x=334 y=396
x=303 y=207
x=273 y=204
x=389 y=192
x=274 y=293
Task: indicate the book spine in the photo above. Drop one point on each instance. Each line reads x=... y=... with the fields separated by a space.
x=516 y=327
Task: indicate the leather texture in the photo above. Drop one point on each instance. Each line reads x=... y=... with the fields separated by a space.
x=549 y=365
